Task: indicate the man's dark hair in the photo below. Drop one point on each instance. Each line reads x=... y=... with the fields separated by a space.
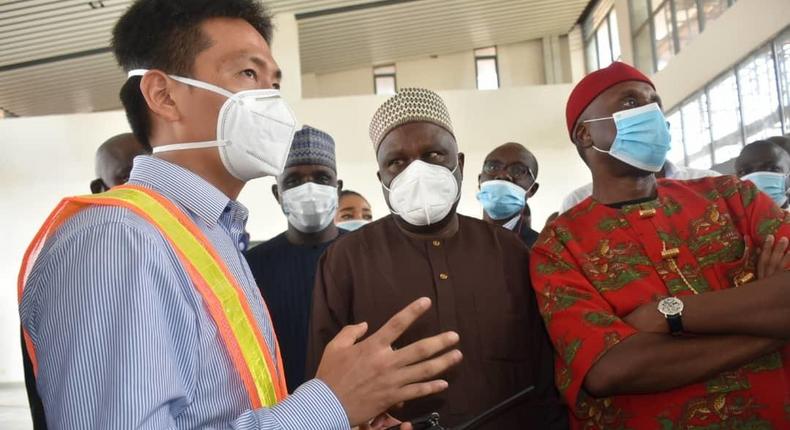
x=166 y=35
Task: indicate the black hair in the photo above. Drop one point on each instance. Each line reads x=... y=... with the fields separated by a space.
x=166 y=35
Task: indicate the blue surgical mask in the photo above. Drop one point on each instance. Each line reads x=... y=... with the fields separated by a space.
x=771 y=183
x=501 y=199
x=352 y=225
x=642 y=139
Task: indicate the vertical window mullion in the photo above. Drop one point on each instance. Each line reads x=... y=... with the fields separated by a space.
x=740 y=105
x=778 y=74
x=710 y=126
x=673 y=18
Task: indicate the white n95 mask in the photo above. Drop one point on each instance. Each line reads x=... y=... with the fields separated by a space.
x=423 y=193
x=310 y=207
x=255 y=129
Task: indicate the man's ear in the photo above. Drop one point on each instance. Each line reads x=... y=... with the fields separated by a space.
x=582 y=137
x=156 y=88
x=339 y=186
x=97 y=186
x=276 y=193
x=461 y=159
x=479 y=182
x=535 y=187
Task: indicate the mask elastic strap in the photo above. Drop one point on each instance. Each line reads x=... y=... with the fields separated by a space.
x=188 y=81
x=598 y=119
x=190 y=145
x=602 y=151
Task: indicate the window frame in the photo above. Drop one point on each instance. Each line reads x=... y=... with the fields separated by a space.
x=487 y=57
x=592 y=38
x=392 y=75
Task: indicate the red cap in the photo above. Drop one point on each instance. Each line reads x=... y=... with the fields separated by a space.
x=589 y=88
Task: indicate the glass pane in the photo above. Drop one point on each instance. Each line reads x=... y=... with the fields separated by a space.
x=591 y=56
x=485 y=52
x=657 y=4
x=712 y=9
x=665 y=47
x=639 y=13
x=486 y=74
x=696 y=131
x=700 y=162
x=615 y=36
x=385 y=85
x=783 y=57
x=725 y=118
x=687 y=21
x=643 y=51
x=676 y=129
x=604 y=49
x=757 y=80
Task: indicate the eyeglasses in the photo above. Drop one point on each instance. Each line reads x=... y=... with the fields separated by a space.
x=515 y=170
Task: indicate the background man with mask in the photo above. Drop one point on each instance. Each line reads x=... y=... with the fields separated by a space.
x=139 y=306
x=284 y=267
x=353 y=211
x=637 y=284
x=477 y=274
x=114 y=161
x=768 y=166
x=508 y=179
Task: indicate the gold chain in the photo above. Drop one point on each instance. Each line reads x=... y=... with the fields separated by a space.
x=670 y=255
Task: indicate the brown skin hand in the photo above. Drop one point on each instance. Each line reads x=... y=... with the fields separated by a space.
x=295 y=176
x=613 y=180
x=432 y=144
x=237 y=59
x=353 y=207
x=507 y=155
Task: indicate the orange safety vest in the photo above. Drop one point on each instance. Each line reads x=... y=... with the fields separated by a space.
x=221 y=294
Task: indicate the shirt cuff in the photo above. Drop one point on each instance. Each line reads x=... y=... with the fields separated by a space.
x=313 y=406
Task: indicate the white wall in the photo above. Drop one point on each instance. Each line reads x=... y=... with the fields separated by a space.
x=520 y=64
x=47 y=158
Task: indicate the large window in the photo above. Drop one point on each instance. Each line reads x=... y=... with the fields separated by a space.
x=746 y=103
x=487 y=68
x=661 y=28
x=601 y=41
x=384 y=80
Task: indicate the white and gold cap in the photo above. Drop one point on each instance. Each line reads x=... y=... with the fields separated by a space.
x=409 y=105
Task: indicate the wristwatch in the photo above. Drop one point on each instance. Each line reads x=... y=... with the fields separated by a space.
x=672 y=308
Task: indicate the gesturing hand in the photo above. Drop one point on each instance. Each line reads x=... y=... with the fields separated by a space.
x=369 y=377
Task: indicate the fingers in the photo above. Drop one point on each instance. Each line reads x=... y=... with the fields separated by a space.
x=422 y=389
x=349 y=335
x=425 y=348
x=399 y=323
x=765 y=256
x=430 y=369
x=775 y=262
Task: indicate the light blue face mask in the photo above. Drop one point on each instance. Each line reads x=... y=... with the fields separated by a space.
x=501 y=199
x=771 y=183
x=642 y=139
x=352 y=225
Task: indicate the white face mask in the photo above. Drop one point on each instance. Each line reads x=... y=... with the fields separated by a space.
x=310 y=207
x=424 y=193
x=255 y=129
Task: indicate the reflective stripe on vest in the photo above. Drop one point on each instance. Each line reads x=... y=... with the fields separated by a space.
x=222 y=296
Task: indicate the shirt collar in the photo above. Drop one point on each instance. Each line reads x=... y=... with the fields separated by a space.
x=182 y=186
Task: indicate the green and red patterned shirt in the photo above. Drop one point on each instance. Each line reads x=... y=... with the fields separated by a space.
x=595 y=264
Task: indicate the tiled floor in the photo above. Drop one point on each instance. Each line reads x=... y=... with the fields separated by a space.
x=14 y=412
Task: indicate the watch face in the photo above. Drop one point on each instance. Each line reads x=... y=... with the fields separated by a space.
x=670 y=306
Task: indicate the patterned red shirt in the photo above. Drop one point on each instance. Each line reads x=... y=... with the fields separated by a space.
x=595 y=264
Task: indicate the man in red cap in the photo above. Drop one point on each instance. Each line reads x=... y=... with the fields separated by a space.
x=666 y=300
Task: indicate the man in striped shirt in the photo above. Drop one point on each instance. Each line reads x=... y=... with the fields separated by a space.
x=122 y=337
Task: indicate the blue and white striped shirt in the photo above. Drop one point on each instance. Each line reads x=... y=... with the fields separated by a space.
x=121 y=335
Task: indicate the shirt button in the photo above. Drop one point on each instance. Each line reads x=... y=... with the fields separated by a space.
x=242 y=247
x=444 y=276
x=437 y=243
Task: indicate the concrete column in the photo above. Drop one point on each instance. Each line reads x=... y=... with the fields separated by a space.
x=552 y=60
x=285 y=49
x=576 y=47
x=624 y=30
